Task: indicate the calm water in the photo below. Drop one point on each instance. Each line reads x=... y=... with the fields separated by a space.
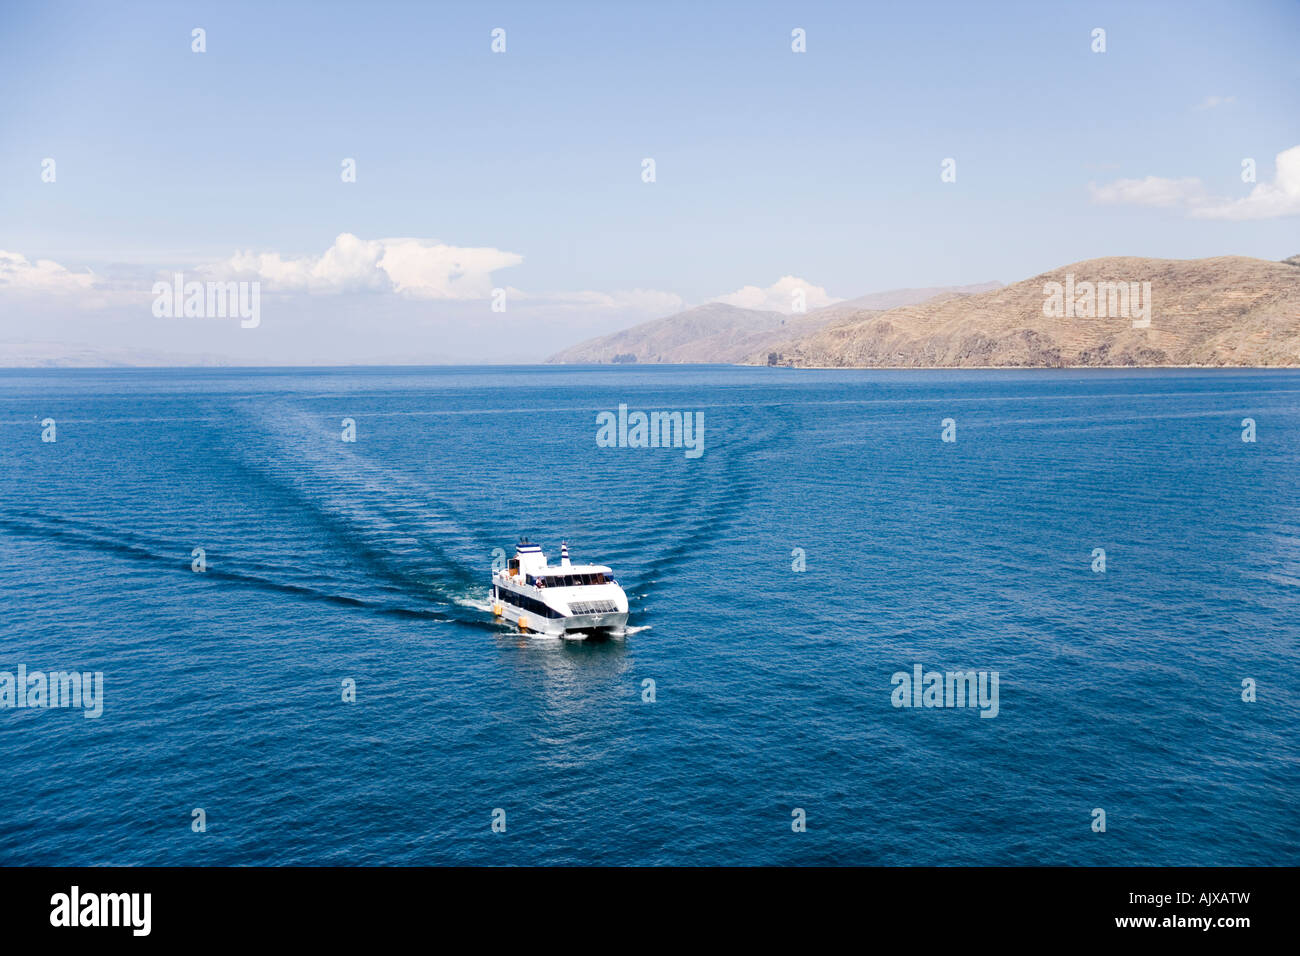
x=329 y=560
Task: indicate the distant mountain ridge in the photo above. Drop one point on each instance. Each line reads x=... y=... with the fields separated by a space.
x=73 y=355
x=719 y=333
x=1229 y=310
x=61 y=355
x=895 y=298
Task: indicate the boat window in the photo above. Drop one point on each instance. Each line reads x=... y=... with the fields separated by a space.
x=526 y=603
x=569 y=580
x=593 y=607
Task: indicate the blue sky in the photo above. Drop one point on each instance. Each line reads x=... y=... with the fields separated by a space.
x=823 y=165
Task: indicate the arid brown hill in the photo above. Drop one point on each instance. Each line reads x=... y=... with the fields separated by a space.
x=720 y=333
x=1229 y=310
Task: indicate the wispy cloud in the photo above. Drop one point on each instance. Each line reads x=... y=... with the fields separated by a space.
x=623 y=300
x=1266 y=200
x=780 y=296
x=1210 y=102
x=42 y=276
x=1152 y=191
x=417 y=272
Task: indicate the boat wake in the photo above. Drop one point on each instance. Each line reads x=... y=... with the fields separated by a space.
x=292 y=509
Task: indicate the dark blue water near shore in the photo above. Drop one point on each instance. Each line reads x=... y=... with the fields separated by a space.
x=330 y=560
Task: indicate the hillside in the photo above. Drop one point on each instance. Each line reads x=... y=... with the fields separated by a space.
x=1229 y=310
x=720 y=333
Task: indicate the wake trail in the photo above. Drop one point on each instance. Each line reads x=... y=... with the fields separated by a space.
x=394 y=528
x=718 y=511
x=164 y=557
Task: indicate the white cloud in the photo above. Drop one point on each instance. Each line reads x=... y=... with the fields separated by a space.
x=415 y=270
x=1210 y=102
x=1152 y=191
x=779 y=296
x=1267 y=200
x=43 y=275
x=420 y=268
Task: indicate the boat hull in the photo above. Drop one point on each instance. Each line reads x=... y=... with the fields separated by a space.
x=576 y=625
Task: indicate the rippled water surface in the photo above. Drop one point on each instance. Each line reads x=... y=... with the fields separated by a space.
x=370 y=560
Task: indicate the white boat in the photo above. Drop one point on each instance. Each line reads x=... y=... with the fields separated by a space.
x=559 y=599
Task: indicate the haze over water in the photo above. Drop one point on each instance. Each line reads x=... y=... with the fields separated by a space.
x=370 y=560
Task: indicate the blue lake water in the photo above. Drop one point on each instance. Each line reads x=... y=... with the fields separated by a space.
x=329 y=560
